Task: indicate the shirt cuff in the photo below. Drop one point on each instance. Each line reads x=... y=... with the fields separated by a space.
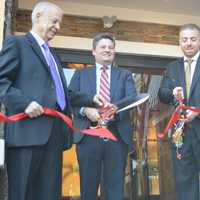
x=82 y=111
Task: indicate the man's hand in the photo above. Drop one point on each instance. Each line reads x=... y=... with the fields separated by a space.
x=92 y=114
x=108 y=111
x=178 y=93
x=99 y=100
x=190 y=115
x=34 y=109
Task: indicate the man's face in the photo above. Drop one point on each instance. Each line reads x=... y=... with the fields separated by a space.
x=49 y=24
x=189 y=42
x=104 y=52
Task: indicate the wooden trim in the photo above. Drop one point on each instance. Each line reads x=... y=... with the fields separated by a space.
x=87 y=27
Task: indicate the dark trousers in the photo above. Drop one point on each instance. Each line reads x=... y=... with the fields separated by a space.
x=186 y=170
x=96 y=156
x=34 y=172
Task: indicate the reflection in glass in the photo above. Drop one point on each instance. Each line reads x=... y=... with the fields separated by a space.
x=145 y=162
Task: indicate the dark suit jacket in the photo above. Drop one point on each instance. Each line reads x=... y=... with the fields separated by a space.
x=123 y=92
x=175 y=76
x=25 y=77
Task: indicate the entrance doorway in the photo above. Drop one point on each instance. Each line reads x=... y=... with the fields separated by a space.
x=148 y=169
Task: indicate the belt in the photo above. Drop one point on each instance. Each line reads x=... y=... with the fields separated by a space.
x=94 y=124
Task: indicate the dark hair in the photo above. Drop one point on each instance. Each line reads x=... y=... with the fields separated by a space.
x=190 y=26
x=103 y=35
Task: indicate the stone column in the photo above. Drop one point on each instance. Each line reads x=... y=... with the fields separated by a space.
x=6 y=16
x=3 y=174
x=2 y=17
x=9 y=16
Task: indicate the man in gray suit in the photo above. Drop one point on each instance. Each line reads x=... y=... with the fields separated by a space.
x=97 y=155
x=178 y=84
x=31 y=77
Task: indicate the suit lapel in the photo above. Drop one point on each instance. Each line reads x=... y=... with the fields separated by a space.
x=113 y=82
x=59 y=66
x=91 y=73
x=195 y=76
x=181 y=74
x=33 y=43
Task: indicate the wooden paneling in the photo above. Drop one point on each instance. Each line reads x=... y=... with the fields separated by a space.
x=79 y=26
x=167 y=185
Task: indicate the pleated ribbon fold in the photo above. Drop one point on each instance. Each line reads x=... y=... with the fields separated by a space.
x=176 y=115
x=99 y=131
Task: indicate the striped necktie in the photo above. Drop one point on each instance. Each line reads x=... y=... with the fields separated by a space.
x=188 y=63
x=104 y=89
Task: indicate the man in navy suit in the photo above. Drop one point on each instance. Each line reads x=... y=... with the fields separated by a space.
x=100 y=158
x=31 y=77
x=178 y=83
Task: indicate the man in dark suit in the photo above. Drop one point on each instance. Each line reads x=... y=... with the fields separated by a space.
x=178 y=83
x=31 y=77
x=97 y=155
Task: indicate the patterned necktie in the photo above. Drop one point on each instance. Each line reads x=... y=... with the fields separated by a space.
x=104 y=89
x=57 y=81
x=188 y=63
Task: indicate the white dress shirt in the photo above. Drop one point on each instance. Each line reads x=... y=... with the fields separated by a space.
x=193 y=64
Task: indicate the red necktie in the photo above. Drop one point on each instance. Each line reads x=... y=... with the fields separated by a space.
x=104 y=90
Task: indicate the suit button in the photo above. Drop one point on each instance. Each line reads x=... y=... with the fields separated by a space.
x=52 y=86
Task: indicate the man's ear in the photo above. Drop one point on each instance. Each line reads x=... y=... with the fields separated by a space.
x=93 y=52
x=38 y=15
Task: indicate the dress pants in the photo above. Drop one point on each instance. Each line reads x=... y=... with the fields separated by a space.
x=97 y=156
x=34 y=172
x=186 y=170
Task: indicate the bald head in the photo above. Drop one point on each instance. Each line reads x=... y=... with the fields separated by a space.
x=46 y=20
x=43 y=8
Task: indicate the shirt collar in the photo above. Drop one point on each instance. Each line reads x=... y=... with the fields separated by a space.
x=194 y=58
x=39 y=40
x=98 y=66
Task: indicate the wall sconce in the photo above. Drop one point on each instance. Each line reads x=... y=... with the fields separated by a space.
x=108 y=21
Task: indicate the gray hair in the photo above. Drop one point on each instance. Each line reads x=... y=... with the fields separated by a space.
x=43 y=7
x=190 y=26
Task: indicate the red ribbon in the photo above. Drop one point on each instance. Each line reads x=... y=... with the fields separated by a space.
x=100 y=132
x=175 y=117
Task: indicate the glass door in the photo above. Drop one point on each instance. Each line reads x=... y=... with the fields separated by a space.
x=150 y=164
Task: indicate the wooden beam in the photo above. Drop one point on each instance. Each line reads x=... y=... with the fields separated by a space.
x=87 y=27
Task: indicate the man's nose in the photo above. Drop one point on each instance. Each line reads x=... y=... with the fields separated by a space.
x=58 y=25
x=189 y=42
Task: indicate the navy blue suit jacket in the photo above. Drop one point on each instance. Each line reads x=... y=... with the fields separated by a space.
x=25 y=77
x=123 y=92
x=175 y=77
